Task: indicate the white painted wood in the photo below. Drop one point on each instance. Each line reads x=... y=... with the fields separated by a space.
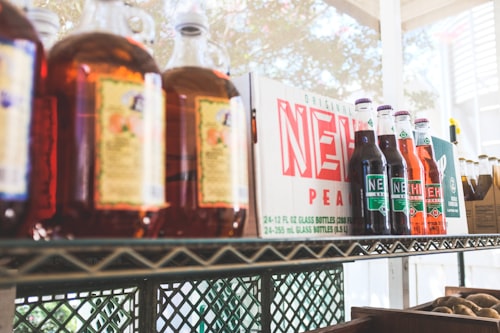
x=392 y=53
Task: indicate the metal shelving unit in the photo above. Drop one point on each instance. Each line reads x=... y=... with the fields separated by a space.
x=197 y=285
x=23 y=262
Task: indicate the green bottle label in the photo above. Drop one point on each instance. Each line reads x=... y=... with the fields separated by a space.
x=399 y=195
x=376 y=193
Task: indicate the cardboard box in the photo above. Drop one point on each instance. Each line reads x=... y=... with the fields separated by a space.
x=300 y=149
x=483 y=216
x=301 y=144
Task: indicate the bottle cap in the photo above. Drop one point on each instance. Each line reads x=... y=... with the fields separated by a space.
x=402 y=113
x=482 y=156
x=462 y=159
x=492 y=158
x=421 y=120
x=384 y=107
x=362 y=100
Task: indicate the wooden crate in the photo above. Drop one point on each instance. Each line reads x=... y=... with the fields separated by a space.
x=417 y=319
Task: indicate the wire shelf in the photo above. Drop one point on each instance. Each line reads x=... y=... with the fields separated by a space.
x=26 y=262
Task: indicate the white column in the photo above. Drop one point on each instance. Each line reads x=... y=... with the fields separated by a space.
x=496 y=15
x=392 y=53
x=393 y=93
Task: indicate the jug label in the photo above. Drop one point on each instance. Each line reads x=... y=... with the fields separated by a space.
x=17 y=63
x=130 y=148
x=376 y=193
x=222 y=160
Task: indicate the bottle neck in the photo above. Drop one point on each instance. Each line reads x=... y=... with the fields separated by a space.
x=404 y=130
x=190 y=48
x=422 y=135
x=484 y=167
x=104 y=16
x=385 y=124
x=365 y=118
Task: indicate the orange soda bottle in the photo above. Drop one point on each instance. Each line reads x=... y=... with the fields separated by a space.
x=404 y=134
x=436 y=220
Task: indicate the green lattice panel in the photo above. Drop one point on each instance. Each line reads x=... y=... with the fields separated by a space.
x=109 y=311
x=299 y=302
x=218 y=305
x=307 y=300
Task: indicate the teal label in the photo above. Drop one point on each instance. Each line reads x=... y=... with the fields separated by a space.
x=443 y=150
x=416 y=197
x=376 y=193
x=399 y=196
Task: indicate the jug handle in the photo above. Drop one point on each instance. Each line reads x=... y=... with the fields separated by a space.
x=145 y=34
x=219 y=56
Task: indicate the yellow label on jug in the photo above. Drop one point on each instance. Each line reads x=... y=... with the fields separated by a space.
x=128 y=129
x=17 y=62
x=219 y=143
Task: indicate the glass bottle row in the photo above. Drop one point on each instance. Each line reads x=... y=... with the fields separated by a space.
x=97 y=152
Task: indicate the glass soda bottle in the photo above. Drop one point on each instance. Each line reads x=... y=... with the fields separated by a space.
x=22 y=80
x=466 y=185
x=434 y=200
x=397 y=172
x=404 y=134
x=110 y=104
x=484 y=180
x=206 y=161
x=471 y=175
x=368 y=177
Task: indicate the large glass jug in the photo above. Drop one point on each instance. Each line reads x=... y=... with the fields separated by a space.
x=110 y=125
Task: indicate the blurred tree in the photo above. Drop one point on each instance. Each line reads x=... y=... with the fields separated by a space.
x=304 y=43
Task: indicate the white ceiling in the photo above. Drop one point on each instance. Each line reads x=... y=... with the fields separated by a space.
x=414 y=13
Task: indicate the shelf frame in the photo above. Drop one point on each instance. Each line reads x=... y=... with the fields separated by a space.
x=25 y=262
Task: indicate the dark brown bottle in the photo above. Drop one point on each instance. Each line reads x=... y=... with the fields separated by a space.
x=368 y=177
x=466 y=184
x=206 y=161
x=472 y=175
x=434 y=197
x=22 y=77
x=485 y=179
x=397 y=173
x=110 y=127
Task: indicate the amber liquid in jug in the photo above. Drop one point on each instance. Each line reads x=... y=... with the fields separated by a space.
x=186 y=215
x=99 y=167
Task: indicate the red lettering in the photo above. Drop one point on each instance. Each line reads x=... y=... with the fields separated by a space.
x=346 y=129
x=340 y=201
x=312 y=195
x=433 y=192
x=294 y=136
x=326 y=198
x=325 y=138
x=415 y=188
